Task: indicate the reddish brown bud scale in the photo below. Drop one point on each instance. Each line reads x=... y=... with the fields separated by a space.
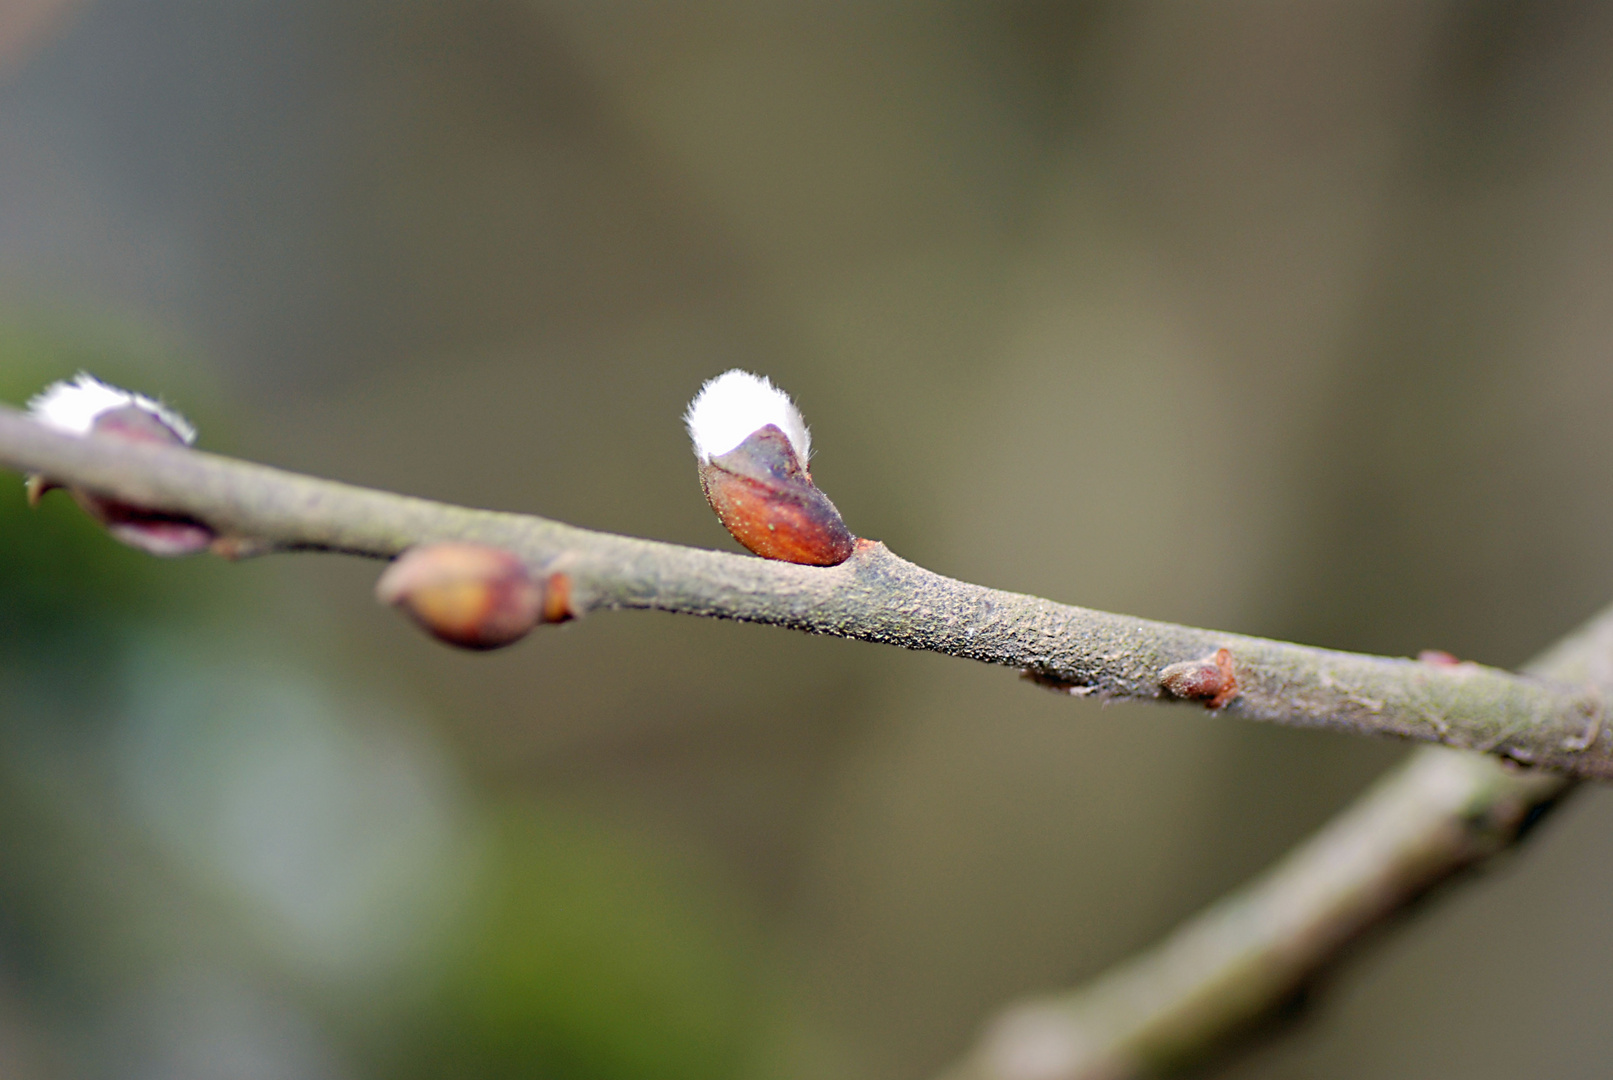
x=766 y=499
x=470 y=595
x=1210 y=679
x=155 y=534
x=1439 y=658
x=558 y=606
x=152 y=531
x=134 y=424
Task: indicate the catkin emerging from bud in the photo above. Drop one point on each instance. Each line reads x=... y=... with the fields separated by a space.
x=753 y=449
x=87 y=406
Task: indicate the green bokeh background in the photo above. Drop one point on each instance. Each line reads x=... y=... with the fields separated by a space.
x=1287 y=319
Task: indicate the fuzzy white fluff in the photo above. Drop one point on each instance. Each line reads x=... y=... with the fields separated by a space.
x=72 y=406
x=736 y=403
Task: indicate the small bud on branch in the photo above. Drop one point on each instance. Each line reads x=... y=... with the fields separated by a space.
x=75 y=406
x=873 y=596
x=87 y=406
x=1441 y=814
x=753 y=448
x=1210 y=679
x=470 y=595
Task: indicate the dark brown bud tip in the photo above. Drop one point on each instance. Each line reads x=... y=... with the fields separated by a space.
x=470 y=595
x=765 y=497
x=1211 y=680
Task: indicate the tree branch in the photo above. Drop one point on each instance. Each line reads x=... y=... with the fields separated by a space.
x=874 y=596
x=1437 y=814
x=1233 y=963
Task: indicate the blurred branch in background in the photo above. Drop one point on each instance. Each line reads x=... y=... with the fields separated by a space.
x=874 y=596
x=1435 y=816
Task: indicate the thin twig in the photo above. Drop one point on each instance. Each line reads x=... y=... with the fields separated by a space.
x=1233 y=963
x=1441 y=812
x=874 y=596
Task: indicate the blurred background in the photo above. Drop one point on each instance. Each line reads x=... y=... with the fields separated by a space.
x=1286 y=319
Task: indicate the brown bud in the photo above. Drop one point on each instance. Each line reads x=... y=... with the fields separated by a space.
x=765 y=497
x=470 y=595
x=152 y=531
x=155 y=534
x=87 y=406
x=1210 y=679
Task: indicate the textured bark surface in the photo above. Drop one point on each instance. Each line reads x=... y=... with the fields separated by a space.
x=873 y=596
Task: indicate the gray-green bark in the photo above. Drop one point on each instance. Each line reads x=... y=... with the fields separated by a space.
x=1436 y=815
x=1439 y=813
x=874 y=596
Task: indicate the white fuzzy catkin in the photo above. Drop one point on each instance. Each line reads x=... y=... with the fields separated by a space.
x=736 y=403
x=73 y=406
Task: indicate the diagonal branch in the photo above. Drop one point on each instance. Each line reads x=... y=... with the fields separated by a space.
x=1237 y=961
x=874 y=596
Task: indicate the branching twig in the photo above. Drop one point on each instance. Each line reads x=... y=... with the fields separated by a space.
x=874 y=596
x=1436 y=815
x=1441 y=812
